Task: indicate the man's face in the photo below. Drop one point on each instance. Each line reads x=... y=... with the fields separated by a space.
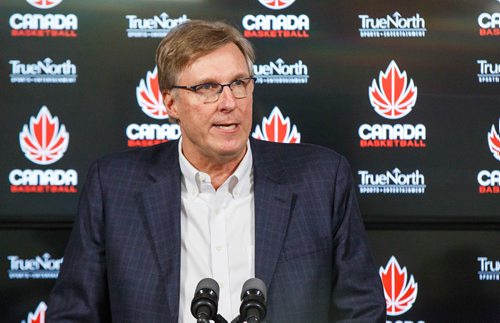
x=213 y=132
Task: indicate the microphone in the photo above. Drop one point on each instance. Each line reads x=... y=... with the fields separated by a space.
x=253 y=301
x=205 y=300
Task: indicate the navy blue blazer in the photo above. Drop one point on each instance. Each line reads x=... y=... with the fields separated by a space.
x=122 y=261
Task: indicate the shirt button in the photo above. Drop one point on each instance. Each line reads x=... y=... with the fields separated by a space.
x=221 y=285
x=218 y=248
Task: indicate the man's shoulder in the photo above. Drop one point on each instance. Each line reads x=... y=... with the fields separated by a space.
x=301 y=151
x=298 y=160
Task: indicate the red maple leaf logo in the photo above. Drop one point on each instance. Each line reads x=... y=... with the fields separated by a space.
x=149 y=96
x=44 y=142
x=393 y=97
x=38 y=316
x=494 y=141
x=400 y=293
x=44 y=4
x=276 y=128
x=276 y=4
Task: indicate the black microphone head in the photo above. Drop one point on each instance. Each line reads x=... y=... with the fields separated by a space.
x=253 y=301
x=254 y=284
x=208 y=283
x=205 y=301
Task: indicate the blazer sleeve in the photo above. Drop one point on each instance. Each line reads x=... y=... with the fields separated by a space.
x=357 y=293
x=80 y=293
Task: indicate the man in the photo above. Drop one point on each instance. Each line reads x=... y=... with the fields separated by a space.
x=153 y=222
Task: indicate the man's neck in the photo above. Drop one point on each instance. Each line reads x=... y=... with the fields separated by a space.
x=219 y=169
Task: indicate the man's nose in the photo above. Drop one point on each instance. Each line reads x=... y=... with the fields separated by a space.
x=227 y=99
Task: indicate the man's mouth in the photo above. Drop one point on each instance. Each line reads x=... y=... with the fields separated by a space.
x=226 y=126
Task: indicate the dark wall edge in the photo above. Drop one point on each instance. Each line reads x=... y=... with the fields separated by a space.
x=65 y=222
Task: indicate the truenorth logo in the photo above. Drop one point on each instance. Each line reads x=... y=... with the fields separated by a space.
x=394 y=182
x=45 y=71
x=488 y=72
x=280 y=73
x=394 y=26
x=277 y=128
x=489 y=269
x=400 y=293
x=155 y=27
x=43 y=267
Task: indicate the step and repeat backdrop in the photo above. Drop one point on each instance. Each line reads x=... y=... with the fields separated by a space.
x=408 y=91
x=428 y=275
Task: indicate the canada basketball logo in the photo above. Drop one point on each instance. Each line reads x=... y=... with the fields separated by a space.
x=400 y=293
x=489 y=180
x=43 y=25
x=276 y=4
x=44 y=141
x=277 y=128
x=276 y=26
x=38 y=316
x=393 y=96
x=494 y=141
x=150 y=100
x=489 y=24
x=44 y=4
x=149 y=96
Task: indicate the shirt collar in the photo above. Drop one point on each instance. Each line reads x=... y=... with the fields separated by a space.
x=195 y=182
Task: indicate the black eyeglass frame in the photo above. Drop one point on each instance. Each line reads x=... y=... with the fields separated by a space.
x=193 y=88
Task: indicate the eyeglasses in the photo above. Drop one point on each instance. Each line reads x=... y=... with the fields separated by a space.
x=210 y=92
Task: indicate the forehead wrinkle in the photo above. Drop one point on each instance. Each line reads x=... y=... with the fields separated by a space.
x=215 y=79
x=238 y=68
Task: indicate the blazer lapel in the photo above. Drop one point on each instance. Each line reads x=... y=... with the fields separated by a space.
x=273 y=205
x=161 y=198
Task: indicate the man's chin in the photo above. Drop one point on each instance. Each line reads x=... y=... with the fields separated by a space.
x=232 y=150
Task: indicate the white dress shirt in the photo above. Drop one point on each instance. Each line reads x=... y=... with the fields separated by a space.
x=217 y=235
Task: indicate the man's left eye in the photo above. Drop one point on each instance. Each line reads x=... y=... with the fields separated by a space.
x=206 y=86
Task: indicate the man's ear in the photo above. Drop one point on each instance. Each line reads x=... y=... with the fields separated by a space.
x=170 y=102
